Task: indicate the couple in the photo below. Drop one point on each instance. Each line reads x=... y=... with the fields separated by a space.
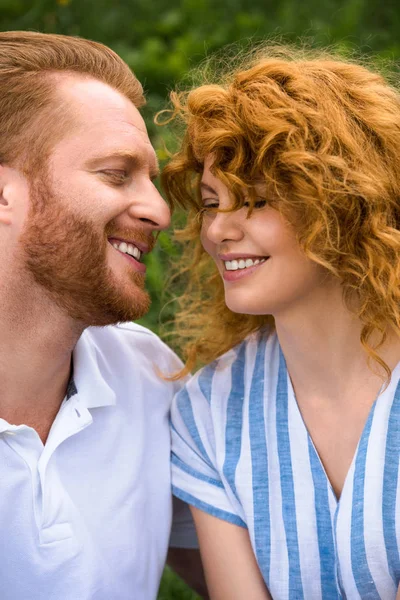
x=286 y=445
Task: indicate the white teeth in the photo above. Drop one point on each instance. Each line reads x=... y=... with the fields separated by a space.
x=234 y=265
x=128 y=249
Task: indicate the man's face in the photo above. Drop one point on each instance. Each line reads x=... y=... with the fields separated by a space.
x=95 y=209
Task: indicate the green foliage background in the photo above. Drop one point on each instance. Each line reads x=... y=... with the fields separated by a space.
x=161 y=40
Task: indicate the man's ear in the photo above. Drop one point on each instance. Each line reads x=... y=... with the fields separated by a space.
x=6 y=196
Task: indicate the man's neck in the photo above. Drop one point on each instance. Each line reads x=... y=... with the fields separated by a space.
x=35 y=365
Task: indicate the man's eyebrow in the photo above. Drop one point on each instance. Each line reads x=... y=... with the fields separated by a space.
x=204 y=187
x=129 y=156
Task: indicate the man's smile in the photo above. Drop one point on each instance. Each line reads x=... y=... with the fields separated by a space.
x=131 y=252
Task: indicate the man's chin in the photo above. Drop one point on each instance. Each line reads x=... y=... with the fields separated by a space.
x=111 y=310
x=120 y=315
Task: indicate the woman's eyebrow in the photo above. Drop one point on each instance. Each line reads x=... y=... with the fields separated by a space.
x=204 y=187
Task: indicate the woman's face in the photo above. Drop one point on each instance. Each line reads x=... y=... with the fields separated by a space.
x=260 y=261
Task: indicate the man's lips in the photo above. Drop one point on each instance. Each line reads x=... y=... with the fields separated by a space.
x=144 y=248
x=129 y=251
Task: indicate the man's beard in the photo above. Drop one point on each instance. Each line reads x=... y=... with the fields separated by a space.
x=67 y=256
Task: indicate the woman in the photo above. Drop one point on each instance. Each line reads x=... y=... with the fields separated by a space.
x=287 y=444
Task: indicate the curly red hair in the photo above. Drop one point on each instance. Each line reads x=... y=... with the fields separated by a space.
x=323 y=132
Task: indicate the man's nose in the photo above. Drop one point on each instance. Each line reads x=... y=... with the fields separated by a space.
x=151 y=209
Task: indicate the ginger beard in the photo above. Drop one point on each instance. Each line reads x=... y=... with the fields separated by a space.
x=67 y=256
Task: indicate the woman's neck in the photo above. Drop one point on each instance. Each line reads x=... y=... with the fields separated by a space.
x=322 y=348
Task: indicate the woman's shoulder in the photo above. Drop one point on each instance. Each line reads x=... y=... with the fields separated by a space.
x=234 y=370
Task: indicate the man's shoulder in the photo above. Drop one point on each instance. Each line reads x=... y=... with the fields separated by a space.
x=124 y=333
x=136 y=334
x=133 y=340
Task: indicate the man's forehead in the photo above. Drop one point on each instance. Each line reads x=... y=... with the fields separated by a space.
x=94 y=100
x=82 y=86
x=103 y=123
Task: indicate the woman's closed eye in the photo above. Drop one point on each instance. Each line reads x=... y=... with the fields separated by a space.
x=210 y=203
x=259 y=203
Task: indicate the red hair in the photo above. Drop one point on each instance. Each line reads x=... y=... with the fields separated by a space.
x=323 y=132
x=32 y=117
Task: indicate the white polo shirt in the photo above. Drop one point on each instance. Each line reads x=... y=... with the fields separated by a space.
x=88 y=515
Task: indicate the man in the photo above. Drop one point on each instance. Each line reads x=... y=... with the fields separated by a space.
x=85 y=504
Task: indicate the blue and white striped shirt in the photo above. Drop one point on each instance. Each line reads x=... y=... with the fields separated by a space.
x=241 y=452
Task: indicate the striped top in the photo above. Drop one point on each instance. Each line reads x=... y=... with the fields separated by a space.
x=241 y=452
